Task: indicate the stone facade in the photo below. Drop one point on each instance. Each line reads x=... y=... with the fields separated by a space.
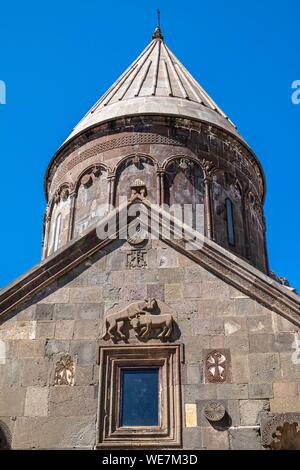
x=221 y=330
x=68 y=319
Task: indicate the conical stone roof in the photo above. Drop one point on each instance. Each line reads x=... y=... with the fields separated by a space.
x=155 y=83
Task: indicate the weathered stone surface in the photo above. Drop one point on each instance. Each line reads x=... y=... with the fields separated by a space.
x=194 y=393
x=156 y=291
x=82 y=311
x=239 y=368
x=235 y=326
x=213 y=439
x=44 y=311
x=84 y=375
x=62 y=432
x=18 y=330
x=61 y=296
x=36 y=402
x=259 y=324
x=72 y=401
x=264 y=368
x=285 y=404
x=64 y=329
x=191 y=291
x=86 y=329
x=12 y=401
x=244 y=439
x=208 y=326
x=45 y=329
x=282 y=390
x=192 y=438
x=86 y=295
x=31 y=348
x=193 y=375
x=250 y=410
x=173 y=292
x=260 y=390
x=232 y=391
x=84 y=350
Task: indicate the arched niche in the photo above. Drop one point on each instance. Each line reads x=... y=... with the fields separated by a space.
x=91 y=202
x=59 y=220
x=134 y=168
x=184 y=186
x=254 y=219
x=227 y=193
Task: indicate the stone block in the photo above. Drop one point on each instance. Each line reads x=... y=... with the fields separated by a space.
x=59 y=433
x=85 y=295
x=31 y=348
x=64 y=329
x=173 y=292
x=54 y=346
x=2 y=352
x=26 y=314
x=45 y=329
x=22 y=330
x=99 y=279
x=250 y=410
x=111 y=293
x=167 y=258
x=208 y=326
x=261 y=343
x=244 y=439
x=36 y=402
x=260 y=324
x=210 y=289
x=239 y=368
x=216 y=307
x=283 y=342
x=171 y=275
x=156 y=291
x=198 y=274
x=192 y=439
x=264 y=368
x=285 y=404
x=237 y=344
x=285 y=389
x=88 y=311
x=216 y=342
x=117 y=261
x=32 y=372
x=12 y=401
x=290 y=367
x=283 y=325
x=235 y=326
x=244 y=306
x=193 y=348
x=232 y=391
x=86 y=329
x=213 y=439
x=194 y=393
x=190 y=415
x=85 y=351
x=134 y=292
x=260 y=390
x=118 y=278
x=84 y=375
x=44 y=312
x=191 y=291
x=72 y=401
x=61 y=296
x=193 y=375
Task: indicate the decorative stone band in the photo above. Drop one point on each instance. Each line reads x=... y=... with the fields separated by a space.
x=211 y=256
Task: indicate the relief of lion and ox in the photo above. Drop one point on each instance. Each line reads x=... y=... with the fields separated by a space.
x=149 y=319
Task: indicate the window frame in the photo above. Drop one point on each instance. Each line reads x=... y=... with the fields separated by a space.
x=230 y=220
x=112 y=359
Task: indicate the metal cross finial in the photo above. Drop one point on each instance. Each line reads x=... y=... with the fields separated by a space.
x=157 y=33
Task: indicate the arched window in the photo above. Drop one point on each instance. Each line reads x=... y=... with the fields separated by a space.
x=230 y=222
x=57 y=232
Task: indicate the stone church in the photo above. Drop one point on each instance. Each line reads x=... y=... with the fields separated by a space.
x=174 y=335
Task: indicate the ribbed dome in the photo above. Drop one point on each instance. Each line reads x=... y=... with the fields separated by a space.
x=156 y=83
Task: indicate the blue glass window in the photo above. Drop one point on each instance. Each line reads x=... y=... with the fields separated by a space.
x=139 y=397
x=230 y=222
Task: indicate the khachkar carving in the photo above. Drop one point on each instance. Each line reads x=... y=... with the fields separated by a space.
x=216 y=367
x=280 y=431
x=149 y=319
x=64 y=371
x=137 y=259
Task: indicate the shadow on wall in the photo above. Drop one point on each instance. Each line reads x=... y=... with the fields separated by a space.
x=5 y=437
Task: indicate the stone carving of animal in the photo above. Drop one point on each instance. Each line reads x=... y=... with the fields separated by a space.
x=144 y=325
x=115 y=322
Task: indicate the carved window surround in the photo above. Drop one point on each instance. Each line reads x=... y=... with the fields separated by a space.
x=112 y=359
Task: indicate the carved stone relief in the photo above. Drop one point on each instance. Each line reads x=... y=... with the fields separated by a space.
x=280 y=431
x=214 y=411
x=216 y=366
x=64 y=371
x=149 y=319
x=137 y=259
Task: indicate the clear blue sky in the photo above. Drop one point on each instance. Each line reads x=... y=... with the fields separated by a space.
x=58 y=57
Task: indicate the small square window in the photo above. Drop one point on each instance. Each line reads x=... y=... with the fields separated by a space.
x=139 y=396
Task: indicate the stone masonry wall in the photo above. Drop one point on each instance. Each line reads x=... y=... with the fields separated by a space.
x=67 y=318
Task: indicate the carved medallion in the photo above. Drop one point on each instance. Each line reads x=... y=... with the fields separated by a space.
x=280 y=431
x=64 y=371
x=216 y=367
x=214 y=411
